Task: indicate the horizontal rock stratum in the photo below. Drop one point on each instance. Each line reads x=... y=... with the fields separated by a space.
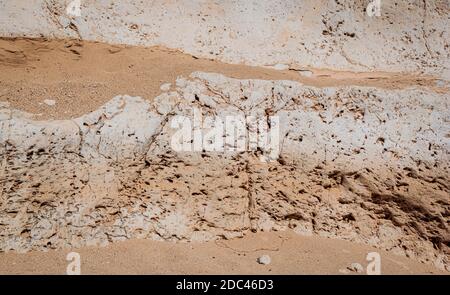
x=407 y=36
x=357 y=163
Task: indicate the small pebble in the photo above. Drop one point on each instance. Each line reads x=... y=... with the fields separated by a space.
x=280 y=67
x=49 y=102
x=265 y=259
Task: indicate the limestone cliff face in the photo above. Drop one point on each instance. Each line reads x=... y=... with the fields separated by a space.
x=408 y=36
x=361 y=164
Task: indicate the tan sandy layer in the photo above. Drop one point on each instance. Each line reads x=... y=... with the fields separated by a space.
x=290 y=254
x=81 y=76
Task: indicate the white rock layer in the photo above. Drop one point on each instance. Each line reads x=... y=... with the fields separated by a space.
x=409 y=36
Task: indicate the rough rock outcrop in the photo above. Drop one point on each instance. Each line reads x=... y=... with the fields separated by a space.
x=361 y=164
x=407 y=36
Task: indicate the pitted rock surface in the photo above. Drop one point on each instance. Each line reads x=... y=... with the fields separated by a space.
x=355 y=163
x=407 y=36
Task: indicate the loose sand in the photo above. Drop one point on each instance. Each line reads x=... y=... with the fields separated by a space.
x=289 y=252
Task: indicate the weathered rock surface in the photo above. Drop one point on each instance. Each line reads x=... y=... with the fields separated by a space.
x=361 y=164
x=408 y=36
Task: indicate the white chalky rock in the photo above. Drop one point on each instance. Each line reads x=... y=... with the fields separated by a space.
x=165 y=87
x=320 y=34
x=441 y=83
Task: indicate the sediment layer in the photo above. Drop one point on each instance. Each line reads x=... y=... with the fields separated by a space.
x=407 y=36
x=357 y=163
